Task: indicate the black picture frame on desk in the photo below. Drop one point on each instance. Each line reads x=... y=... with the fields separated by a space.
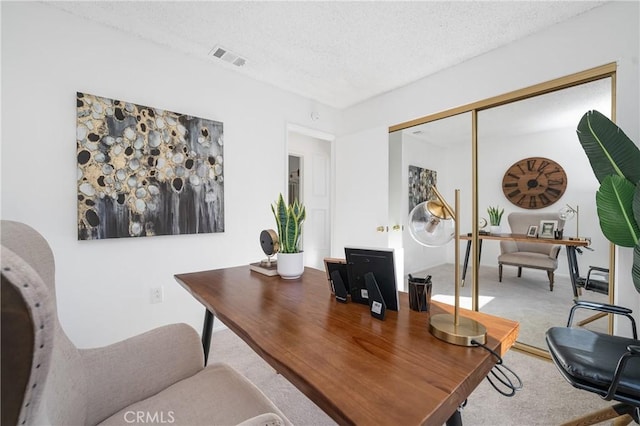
x=380 y=262
x=533 y=231
x=334 y=266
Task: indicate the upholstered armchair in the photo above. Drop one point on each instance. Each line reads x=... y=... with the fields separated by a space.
x=529 y=254
x=157 y=377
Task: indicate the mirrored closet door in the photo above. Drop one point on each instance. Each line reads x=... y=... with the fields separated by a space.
x=532 y=166
x=474 y=148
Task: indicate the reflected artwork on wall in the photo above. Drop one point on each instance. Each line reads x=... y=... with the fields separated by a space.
x=421 y=182
x=144 y=171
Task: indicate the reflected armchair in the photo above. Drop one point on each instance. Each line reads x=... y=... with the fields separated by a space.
x=529 y=254
x=156 y=377
x=600 y=363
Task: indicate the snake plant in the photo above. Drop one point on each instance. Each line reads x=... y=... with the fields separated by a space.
x=495 y=215
x=289 y=219
x=615 y=161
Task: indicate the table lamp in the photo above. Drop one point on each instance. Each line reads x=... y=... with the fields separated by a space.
x=433 y=224
x=567 y=213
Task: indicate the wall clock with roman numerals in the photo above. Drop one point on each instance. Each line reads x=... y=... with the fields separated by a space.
x=534 y=182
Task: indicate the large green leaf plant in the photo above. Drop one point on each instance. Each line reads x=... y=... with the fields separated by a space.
x=289 y=220
x=615 y=160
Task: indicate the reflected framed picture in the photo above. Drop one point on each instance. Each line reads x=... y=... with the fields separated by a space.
x=533 y=231
x=547 y=228
x=421 y=183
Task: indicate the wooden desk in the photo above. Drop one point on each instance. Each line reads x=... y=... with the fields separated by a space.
x=571 y=246
x=522 y=238
x=359 y=370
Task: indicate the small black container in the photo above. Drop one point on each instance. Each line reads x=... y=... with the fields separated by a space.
x=420 y=293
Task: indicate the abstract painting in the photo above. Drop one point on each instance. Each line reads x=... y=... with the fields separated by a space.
x=144 y=171
x=420 y=183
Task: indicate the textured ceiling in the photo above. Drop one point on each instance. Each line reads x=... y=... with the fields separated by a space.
x=336 y=53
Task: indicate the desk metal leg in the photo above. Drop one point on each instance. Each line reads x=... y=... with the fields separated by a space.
x=466 y=259
x=206 y=333
x=574 y=274
x=466 y=262
x=455 y=419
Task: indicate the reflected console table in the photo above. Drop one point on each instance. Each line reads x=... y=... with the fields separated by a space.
x=359 y=370
x=570 y=245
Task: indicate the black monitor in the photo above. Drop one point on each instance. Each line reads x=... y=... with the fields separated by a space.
x=378 y=261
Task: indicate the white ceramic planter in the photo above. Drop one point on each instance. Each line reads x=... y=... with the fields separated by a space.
x=495 y=229
x=290 y=265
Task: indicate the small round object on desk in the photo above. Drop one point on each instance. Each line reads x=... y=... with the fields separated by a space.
x=269 y=242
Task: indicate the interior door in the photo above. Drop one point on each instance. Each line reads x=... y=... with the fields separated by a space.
x=313 y=191
x=310 y=181
x=362 y=190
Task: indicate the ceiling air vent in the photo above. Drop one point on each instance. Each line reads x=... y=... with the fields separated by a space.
x=227 y=56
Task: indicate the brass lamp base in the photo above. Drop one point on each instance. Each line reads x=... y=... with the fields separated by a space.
x=443 y=327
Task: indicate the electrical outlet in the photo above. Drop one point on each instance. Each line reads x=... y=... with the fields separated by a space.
x=157 y=295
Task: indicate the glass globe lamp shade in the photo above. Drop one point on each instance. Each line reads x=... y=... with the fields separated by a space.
x=567 y=213
x=430 y=225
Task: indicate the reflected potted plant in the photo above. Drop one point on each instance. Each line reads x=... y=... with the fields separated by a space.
x=495 y=217
x=615 y=161
x=289 y=220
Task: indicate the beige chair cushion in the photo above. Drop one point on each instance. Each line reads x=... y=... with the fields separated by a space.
x=217 y=395
x=529 y=260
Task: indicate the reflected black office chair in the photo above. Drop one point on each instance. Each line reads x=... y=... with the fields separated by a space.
x=597 y=278
x=600 y=363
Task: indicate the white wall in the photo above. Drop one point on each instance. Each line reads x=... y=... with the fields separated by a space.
x=609 y=33
x=103 y=286
x=362 y=190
